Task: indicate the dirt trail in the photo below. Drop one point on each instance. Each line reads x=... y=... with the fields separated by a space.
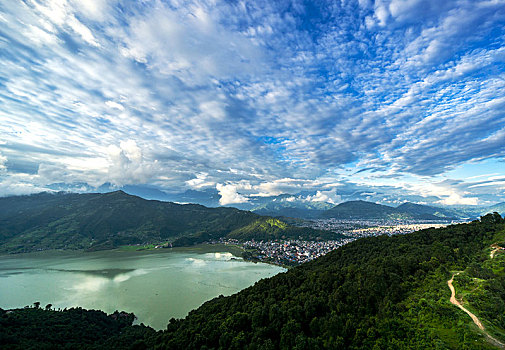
x=496 y=248
x=475 y=319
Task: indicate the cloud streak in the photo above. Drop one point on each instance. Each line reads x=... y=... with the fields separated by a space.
x=245 y=95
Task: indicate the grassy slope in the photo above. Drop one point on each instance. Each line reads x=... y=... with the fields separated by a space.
x=271 y=229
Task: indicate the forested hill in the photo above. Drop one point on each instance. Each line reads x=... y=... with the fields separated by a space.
x=374 y=293
x=103 y=221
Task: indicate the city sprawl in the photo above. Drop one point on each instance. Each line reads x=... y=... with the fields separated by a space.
x=295 y=252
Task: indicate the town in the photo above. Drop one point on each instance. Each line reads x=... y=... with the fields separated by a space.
x=296 y=252
x=291 y=252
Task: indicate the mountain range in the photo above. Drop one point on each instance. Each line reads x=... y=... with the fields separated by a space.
x=95 y=221
x=299 y=205
x=359 y=209
x=288 y=206
x=407 y=211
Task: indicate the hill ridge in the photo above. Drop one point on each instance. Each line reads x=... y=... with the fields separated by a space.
x=360 y=209
x=94 y=221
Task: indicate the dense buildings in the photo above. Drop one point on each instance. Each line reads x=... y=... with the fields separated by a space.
x=297 y=251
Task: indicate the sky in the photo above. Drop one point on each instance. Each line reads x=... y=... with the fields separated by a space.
x=390 y=100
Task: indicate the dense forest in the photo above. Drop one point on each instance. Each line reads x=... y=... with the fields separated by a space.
x=374 y=293
x=75 y=328
x=97 y=221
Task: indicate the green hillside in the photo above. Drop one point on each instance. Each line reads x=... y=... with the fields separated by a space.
x=75 y=328
x=374 y=293
x=104 y=221
x=271 y=229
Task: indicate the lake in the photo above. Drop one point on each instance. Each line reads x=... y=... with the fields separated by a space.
x=155 y=285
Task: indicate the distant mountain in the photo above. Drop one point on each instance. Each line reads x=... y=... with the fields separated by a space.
x=428 y=212
x=476 y=211
x=367 y=211
x=499 y=208
x=360 y=210
x=207 y=197
x=290 y=212
x=103 y=221
x=290 y=206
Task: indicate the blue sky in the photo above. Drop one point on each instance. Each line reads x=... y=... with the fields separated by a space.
x=400 y=99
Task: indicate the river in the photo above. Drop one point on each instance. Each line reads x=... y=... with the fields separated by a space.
x=155 y=285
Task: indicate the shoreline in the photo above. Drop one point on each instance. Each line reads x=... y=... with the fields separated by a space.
x=235 y=250
x=201 y=248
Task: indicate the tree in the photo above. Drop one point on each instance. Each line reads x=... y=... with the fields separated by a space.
x=36 y=304
x=48 y=306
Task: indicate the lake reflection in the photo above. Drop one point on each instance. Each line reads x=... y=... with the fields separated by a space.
x=156 y=286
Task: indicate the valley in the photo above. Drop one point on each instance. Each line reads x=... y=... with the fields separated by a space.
x=252 y=175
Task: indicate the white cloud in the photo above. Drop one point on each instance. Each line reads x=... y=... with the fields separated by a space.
x=115 y=105
x=19 y=189
x=200 y=182
x=330 y=196
x=127 y=164
x=18 y=184
x=190 y=42
x=213 y=110
x=3 y=160
x=277 y=187
x=60 y=12
x=93 y=9
x=450 y=192
x=490 y=183
x=82 y=30
x=229 y=194
x=381 y=13
x=40 y=36
x=456 y=199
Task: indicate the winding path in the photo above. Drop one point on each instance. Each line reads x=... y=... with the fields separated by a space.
x=475 y=319
x=496 y=249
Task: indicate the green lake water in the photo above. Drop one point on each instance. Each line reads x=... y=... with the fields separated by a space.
x=155 y=285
